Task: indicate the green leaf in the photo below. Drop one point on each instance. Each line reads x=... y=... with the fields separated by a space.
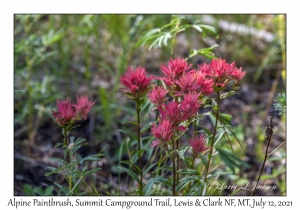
x=166 y=37
x=266 y=176
x=206 y=130
x=91 y=171
x=130 y=173
x=130 y=122
x=141 y=151
x=91 y=158
x=149 y=167
x=164 y=168
x=148 y=125
x=72 y=127
x=52 y=170
x=52 y=37
x=58 y=185
x=66 y=153
x=28 y=190
x=48 y=191
x=157 y=179
x=230 y=159
x=214 y=103
x=228 y=94
x=127 y=162
x=64 y=190
x=154 y=43
x=188 y=162
x=38 y=191
x=204 y=160
x=58 y=160
x=236 y=87
x=79 y=141
x=188 y=171
x=182 y=150
x=226 y=118
x=74 y=149
x=209 y=28
x=218 y=137
x=146 y=107
x=160 y=40
x=129 y=133
x=198 y=28
x=184 y=181
x=59 y=144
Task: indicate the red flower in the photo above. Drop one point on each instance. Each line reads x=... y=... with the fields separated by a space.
x=172 y=111
x=187 y=83
x=221 y=72
x=83 y=107
x=238 y=74
x=194 y=81
x=198 y=144
x=174 y=69
x=65 y=112
x=136 y=82
x=205 y=85
x=163 y=132
x=154 y=143
x=190 y=104
x=157 y=95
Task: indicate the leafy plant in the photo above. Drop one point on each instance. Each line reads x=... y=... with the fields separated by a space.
x=33 y=191
x=280 y=103
x=168 y=33
x=72 y=167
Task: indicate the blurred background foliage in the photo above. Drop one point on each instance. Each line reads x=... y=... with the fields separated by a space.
x=59 y=56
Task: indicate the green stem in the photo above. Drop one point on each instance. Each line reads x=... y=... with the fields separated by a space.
x=193 y=167
x=213 y=140
x=72 y=188
x=69 y=158
x=195 y=128
x=174 y=38
x=65 y=133
x=174 y=170
x=178 y=145
x=139 y=146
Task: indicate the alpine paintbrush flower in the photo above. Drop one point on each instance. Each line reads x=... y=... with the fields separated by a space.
x=163 y=132
x=238 y=74
x=190 y=104
x=65 y=112
x=222 y=72
x=157 y=95
x=136 y=82
x=174 y=70
x=198 y=144
x=172 y=112
x=83 y=106
x=204 y=85
x=186 y=83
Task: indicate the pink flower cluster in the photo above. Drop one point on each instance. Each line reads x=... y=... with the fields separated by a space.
x=67 y=113
x=186 y=86
x=222 y=72
x=198 y=145
x=180 y=82
x=180 y=79
x=136 y=82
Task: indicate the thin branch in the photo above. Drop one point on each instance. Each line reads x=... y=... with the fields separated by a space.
x=269 y=132
x=276 y=148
